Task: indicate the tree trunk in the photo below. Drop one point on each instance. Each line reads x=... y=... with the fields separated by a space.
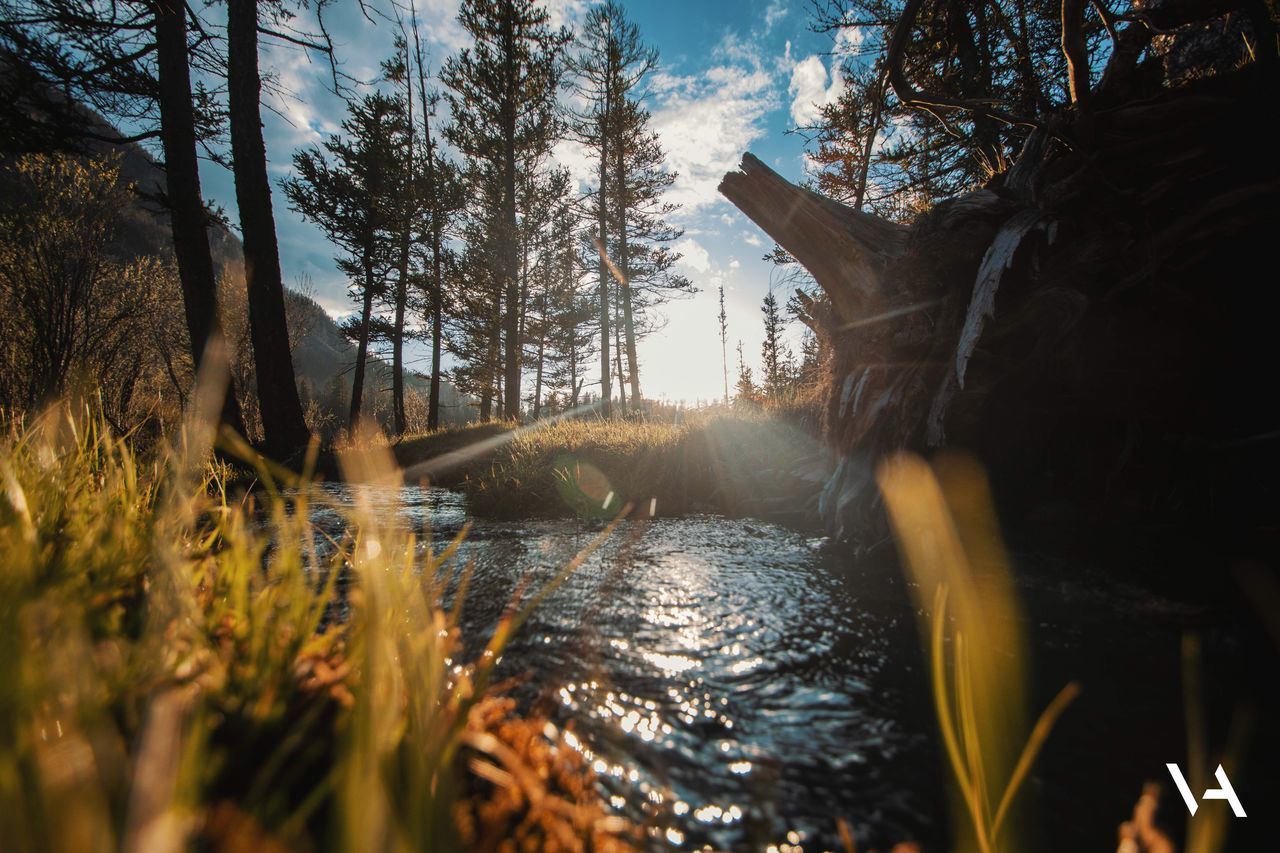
x=186 y=208
x=542 y=351
x=573 y=373
x=434 y=190
x=362 y=351
x=510 y=243
x=617 y=355
x=397 y=348
x=437 y=314
x=624 y=273
x=864 y=166
x=606 y=394
x=282 y=419
x=1069 y=324
x=402 y=268
x=537 y=382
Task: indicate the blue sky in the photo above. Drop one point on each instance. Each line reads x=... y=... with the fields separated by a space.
x=734 y=76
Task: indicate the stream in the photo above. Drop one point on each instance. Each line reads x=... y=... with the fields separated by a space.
x=743 y=686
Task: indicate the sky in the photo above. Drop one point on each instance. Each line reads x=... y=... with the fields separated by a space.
x=734 y=76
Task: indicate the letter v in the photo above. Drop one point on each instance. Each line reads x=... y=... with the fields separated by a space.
x=1185 y=791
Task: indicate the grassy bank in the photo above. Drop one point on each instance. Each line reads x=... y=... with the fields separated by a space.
x=737 y=463
x=172 y=674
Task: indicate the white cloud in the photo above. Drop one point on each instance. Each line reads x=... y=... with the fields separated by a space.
x=849 y=40
x=775 y=12
x=751 y=238
x=438 y=22
x=693 y=255
x=707 y=120
x=566 y=12
x=578 y=159
x=812 y=88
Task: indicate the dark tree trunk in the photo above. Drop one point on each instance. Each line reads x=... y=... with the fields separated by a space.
x=573 y=375
x=864 y=164
x=362 y=351
x=282 y=419
x=397 y=337
x=437 y=314
x=494 y=364
x=397 y=359
x=602 y=221
x=186 y=208
x=606 y=393
x=435 y=190
x=1085 y=325
x=402 y=273
x=511 y=247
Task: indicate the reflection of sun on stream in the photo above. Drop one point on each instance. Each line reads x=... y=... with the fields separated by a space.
x=734 y=684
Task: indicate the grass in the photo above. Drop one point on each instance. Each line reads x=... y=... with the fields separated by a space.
x=947 y=533
x=172 y=674
x=737 y=463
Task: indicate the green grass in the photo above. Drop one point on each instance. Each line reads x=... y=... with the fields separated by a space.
x=171 y=674
x=973 y=629
x=730 y=462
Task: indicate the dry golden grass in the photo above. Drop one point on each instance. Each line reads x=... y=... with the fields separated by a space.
x=172 y=672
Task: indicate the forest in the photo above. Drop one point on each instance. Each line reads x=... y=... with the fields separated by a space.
x=352 y=495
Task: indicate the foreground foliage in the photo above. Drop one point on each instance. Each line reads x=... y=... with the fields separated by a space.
x=179 y=666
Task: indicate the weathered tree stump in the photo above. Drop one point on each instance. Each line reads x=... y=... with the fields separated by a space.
x=1098 y=324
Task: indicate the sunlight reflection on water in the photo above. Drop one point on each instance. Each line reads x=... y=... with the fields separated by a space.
x=725 y=678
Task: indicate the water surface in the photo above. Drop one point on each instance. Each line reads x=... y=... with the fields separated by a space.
x=742 y=685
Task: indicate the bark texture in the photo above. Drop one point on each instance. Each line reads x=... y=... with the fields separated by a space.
x=1095 y=323
x=282 y=420
x=182 y=186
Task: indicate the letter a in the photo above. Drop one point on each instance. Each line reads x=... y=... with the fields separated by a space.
x=1226 y=792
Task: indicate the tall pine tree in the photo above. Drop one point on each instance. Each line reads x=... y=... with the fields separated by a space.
x=502 y=94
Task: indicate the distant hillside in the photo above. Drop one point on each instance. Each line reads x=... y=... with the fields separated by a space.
x=322 y=353
x=323 y=358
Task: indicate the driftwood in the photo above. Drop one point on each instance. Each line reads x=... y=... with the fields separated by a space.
x=1097 y=324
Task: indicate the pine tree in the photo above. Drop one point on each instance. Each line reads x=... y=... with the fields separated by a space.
x=354 y=191
x=724 y=344
x=643 y=236
x=441 y=196
x=1004 y=59
x=405 y=211
x=745 y=392
x=774 y=355
x=572 y=327
x=502 y=94
x=635 y=262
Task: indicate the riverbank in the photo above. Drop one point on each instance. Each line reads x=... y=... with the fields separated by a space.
x=732 y=463
x=172 y=673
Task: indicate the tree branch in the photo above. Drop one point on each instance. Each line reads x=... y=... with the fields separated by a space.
x=933 y=102
x=1075 y=51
